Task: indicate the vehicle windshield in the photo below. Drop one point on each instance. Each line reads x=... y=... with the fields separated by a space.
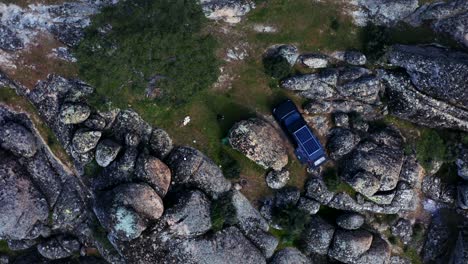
x=291 y=118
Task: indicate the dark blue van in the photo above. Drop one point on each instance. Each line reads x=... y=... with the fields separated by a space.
x=308 y=148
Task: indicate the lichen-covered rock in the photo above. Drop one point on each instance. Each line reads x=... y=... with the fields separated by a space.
x=341 y=120
x=59 y=247
x=118 y=172
x=260 y=142
x=9 y=41
x=350 y=221
x=341 y=142
x=462 y=164
x=308 y=205
x=17 y=139
x=277 y=179
x=263 y=240
x=230 y=11
x=378 y=253
x=192 y=168
x=95 y=122
x=316 y=189
x=382 y=12
x=246 y=216
x=289 y=52
x=190 y=216
x=368 y=112
x=154 y=172
x=74 y=113
x=288 y=256
x=348 y=246
x=129 y=122
x=317 y=236
x=106 y=152
x=160 y=143
x=85 y=140
x=314 y=60
x=350 y=57
x=435 y=72
x=228 y=246
x=365 y=89
x=23 y=207
x=126 y=210
x=437 y=240
x=403 y=229
x=315 y=86
x=407 y=103
x=287 y=196
x=434 y=188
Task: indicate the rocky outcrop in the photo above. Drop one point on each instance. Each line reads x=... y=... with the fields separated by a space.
x=289 y=255
x=277 y=179
x=84 y=141
x=190 y=216
x=126 y=210
x=59 y=247
x=403 y=229
x=435 y=72
x=17 y=139
x=24 y=209
x=317 y=237
x=407 y=103
x=154 y=172
x=341 y=142
x=192 y=168
x=348 y=246
x=74 y=113
x=382 y=12
x=260 y=142
x=160 y=143
x=106 y=152
x=350 y=221
x=230 y=11
x=350 y=57
x=314 y=60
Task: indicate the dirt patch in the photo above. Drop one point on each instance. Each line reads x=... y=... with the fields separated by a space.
x=36 y=61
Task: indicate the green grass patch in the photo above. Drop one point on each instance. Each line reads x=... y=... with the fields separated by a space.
x=222 y=213
x=429 y=148
x=159 y=40
x=413 y=255
x=334 y=183
x=292 y=222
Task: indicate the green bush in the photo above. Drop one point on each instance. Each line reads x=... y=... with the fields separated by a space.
x=430 y=147
x=293 y=222
x=231 y=168
x=147 y=39
x=222 y=213
x=375 y=39
x=276 y=66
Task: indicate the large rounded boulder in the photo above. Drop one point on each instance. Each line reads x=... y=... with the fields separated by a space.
x=154 y=172
x=260 y=142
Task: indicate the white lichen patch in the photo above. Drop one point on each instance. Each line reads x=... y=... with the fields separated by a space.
x=125 y=222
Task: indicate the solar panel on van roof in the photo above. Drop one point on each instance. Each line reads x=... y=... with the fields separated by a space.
x=306 y=139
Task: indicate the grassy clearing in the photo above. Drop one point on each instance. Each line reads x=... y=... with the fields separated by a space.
x=10 y=98
x=311 y=26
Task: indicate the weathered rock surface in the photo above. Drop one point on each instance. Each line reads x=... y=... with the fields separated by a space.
x=277 y=179
x=190 y=216
x=246 y=216
x=341 y=142
x=403 y=229
x=263 y=240
x=17 y=139
x=71 y=113
x=308 y=205
x=160 y=143
x=434 y=188
x=58 y=247
x=23 y=207
x=348 y=246
x=84 y=141
x=406 y=102
x=382 y=12
x=227 y=246
x=378 y=253
x=435 y=72
x=350 y=221
x=192 y=168
x=289 y=255
x=350 y=57
x=314 y=60
x=317 y=236
x=106 y=152
x=8 y=39
x=462 y=164
x=126 y=210
x=287 y=196
x=154 y=172
x=128 y=122
x=230 y=11
x=260 y=142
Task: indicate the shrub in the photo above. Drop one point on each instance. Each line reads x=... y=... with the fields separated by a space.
x=222 y=213
x=231 y=168
x=276 y=66
x=430 y=147
x=375 y=39
x=293 y=222
x=133 y=42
